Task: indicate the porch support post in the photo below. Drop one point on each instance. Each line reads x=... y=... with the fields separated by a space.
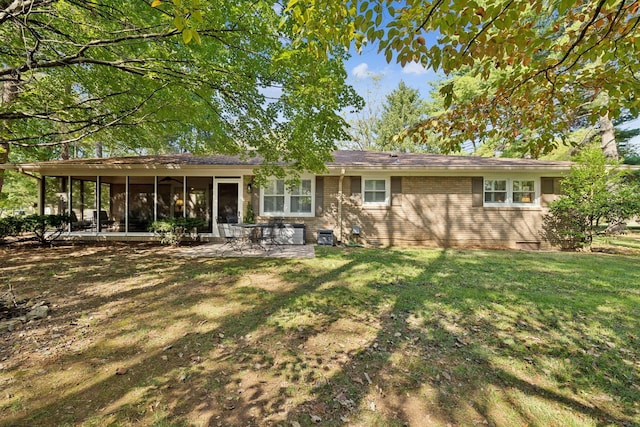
x=212 y=205
x=184 y=195
x=69 y=199
x=98 y=204
x=155 y=198
x=41 y=192
x=126 y=204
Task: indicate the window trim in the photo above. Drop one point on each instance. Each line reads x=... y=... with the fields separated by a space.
x=387 y=189
x=509 y=189
x=287 y=200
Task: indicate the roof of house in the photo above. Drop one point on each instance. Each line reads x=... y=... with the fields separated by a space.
x=344 y=161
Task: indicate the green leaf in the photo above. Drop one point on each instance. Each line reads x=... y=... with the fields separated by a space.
x=178 y=22
x=187 y=35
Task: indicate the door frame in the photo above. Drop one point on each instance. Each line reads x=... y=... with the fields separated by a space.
x=226 y=180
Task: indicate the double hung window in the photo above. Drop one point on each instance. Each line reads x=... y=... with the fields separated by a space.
x=279 y=199
x=510 y=192
x=375 y=191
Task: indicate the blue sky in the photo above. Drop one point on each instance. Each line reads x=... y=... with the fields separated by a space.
x=361 y=69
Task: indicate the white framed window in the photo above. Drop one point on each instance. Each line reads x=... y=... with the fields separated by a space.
x=495 y=191
x=519 y=192
x=280 y=200
x=273 y=196
x=524 y=191
x=301 y=198
x=376 y=191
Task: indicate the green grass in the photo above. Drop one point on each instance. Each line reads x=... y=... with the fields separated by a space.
x=358 y=336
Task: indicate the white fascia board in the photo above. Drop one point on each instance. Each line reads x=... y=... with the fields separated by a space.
x=449 y=171
x=139 y=170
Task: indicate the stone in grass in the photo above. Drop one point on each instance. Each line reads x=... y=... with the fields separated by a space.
x=121 y=371
x=38 y=312
x=9 y=325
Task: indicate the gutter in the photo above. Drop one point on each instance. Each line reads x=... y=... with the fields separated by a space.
x=23 y=172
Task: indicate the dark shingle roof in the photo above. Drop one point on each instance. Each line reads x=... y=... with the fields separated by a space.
x=379 y=158
x=342 y=158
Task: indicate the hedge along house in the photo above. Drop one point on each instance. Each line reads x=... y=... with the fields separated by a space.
x=388 y=198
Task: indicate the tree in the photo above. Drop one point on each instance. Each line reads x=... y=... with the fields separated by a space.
x=594 y=193
x=554 y=59
x=403 y=108
x=136 y=75
x=362 y=123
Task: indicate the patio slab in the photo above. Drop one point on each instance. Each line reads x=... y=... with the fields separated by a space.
x=218 y=250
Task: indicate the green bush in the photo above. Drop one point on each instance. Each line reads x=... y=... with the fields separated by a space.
x=47 y=228
x=173 y=230
x=595 y=194
x=10 y=226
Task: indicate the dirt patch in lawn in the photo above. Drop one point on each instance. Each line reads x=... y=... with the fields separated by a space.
x=137 y=336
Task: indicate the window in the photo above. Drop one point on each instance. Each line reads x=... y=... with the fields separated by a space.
x=510 y=192
x=301 y=197
x=495 y=191
x=273 y=200
x=278 y=199
x=524 y=191
x=375 y=191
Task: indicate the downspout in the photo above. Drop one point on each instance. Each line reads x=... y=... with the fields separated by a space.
x=340 y=200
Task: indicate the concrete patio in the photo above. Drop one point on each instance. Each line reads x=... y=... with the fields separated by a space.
x=219 y=250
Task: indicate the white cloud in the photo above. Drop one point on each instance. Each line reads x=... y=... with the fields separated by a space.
x=361 y=71
x=414 y=68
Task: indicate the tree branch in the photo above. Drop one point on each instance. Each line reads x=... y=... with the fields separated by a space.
x=485 y=27
x=90 y=131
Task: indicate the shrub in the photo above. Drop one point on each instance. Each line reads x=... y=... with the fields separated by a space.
x=47 y=228
x=564 y=226
x=10 y=226
x=249 y=216
x=595 y=193
x=173 y=230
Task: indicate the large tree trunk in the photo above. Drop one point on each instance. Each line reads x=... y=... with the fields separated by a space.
x=8 y=92
x=64 y=153
x=608 y=136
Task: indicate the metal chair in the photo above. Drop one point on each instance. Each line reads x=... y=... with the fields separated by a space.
x=233 y=235
x=275 y=226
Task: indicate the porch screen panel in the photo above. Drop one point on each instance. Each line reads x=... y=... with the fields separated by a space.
x=83 y=204
x=141 y=203
x=198 y=201
x=55 y=195
x=107 y=212
x=170 y=197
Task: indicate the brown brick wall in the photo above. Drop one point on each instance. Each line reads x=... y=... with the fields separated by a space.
x=431 y=211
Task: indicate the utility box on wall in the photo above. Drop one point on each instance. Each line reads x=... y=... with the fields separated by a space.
x=325 y=237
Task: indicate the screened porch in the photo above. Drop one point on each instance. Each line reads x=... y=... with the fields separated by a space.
x=129 y=204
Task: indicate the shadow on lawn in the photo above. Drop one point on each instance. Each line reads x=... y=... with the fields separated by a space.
x=434 y=354
x=454 y=357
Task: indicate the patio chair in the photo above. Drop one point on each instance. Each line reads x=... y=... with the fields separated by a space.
x=233 y=235
x=275 y=227
x=77 y=224
x=105 y=222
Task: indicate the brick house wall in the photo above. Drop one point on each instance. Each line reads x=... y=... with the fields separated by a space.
x=432 y=211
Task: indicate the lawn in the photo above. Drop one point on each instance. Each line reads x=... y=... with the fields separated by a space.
x=138 y=336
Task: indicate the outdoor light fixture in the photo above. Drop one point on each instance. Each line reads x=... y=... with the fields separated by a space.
x=249 y=187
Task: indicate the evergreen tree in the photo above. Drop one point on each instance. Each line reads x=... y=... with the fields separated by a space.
x=403 y=108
